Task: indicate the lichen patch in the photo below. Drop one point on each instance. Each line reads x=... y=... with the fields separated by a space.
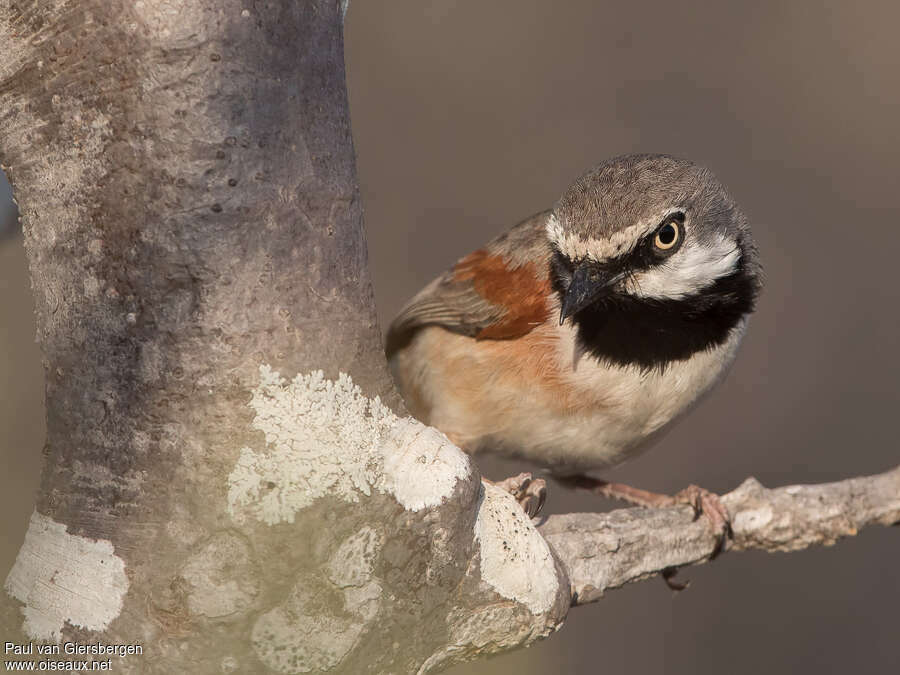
x=352 y=563
x=321 y=620
x=420 y=462
x=515 y=559
x=324 y=437
x=63 y=578
x=303 y=635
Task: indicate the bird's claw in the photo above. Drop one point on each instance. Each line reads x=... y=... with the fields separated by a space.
x=530 y=492
x=709 y=505
x=668 y=575
x=703 y=502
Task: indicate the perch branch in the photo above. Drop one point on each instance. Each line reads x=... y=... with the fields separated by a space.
x=603 y=551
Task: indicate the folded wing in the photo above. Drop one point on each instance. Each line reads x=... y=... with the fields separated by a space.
x=490 y=294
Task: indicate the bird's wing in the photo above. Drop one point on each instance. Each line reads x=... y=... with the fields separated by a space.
x=498 y=292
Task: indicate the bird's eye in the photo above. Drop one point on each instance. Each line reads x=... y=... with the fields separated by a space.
x=668 y=236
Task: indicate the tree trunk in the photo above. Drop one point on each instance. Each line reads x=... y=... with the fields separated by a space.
x=186 y=181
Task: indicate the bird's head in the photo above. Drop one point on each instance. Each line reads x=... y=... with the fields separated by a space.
x=652 y=259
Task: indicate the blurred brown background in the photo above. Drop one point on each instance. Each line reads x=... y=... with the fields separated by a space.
x=469 y=116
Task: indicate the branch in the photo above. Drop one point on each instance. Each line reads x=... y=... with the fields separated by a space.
x=603 y=551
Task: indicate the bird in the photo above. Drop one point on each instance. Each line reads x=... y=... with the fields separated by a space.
x=577 y=337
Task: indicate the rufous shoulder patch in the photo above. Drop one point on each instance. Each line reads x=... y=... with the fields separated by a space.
x=521 y=291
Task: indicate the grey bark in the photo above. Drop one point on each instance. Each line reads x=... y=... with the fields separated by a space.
x=186 y=181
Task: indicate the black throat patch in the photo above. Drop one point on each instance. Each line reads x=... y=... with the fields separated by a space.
x=651 y=333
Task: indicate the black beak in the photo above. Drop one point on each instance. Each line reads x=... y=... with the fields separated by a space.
x=590 y=282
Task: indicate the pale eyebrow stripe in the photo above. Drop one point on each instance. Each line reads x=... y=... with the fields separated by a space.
x=620 y=242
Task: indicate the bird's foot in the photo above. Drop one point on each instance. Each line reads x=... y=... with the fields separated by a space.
x=703 y=502
x=530 y=492
x=708 y=504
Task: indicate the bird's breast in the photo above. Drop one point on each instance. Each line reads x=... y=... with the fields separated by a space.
x=540 y=397
x=629 y=405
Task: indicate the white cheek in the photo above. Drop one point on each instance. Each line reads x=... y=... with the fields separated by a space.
x=691 y=269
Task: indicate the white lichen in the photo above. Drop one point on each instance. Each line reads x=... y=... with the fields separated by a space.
x=304 y=633
x=326 y=438
x=63 y=578
x=351 y=568
x=320 y=439
x=301 y=636
x=515 y=559
x=352 y=563
x=420 y=462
